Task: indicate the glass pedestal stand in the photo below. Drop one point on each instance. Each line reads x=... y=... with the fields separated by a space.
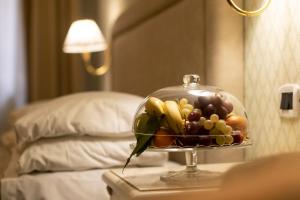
x=192 y=174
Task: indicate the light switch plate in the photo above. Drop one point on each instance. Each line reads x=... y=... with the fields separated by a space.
x=289 y=100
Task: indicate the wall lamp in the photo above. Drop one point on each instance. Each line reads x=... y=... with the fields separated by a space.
x=85 y=37
x=249 y=13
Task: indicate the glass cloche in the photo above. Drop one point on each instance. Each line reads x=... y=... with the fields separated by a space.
x=189 y=117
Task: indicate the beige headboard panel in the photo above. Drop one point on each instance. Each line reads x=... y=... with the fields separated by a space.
x=154 y=43
x=157 y=52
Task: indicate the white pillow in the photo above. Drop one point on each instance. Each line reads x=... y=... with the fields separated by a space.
x=107 y=114
x=82 y=153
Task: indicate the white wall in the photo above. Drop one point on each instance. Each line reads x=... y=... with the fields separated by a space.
x=12 y=60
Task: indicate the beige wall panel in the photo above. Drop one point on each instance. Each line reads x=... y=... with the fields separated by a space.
x=224 y=48
x=160 y=51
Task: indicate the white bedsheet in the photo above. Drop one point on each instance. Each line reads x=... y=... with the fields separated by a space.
x=75 y=185
x=56 y=186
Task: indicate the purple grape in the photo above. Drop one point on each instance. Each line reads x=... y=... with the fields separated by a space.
x=228 y=105
x=197 y=105
x=188 y=141
x=204 y=140
x=203 y=131
x=209 y=110
x=192 y=128
x=203 y=101
x=222 y=112
x=216 y=101
x=194 y=115
x=237 y=138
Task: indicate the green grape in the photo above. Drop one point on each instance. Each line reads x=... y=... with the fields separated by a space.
x=185 y=113
x=208 y=124
x=214 y=131
x=201 y=121
x=188 y=106
x=220 y=140
x=214 y=118
x=227 y=130
x=183 y=102
x=228 y=139
x=221 y=125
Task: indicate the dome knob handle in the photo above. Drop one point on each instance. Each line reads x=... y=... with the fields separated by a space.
x=191 y=79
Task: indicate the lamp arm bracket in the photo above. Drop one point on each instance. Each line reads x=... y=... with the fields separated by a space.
x=96 y=71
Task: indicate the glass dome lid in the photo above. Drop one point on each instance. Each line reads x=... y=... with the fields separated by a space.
x=189 y=116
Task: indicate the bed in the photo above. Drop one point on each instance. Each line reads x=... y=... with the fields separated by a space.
x=63 y=146
x=59 y=185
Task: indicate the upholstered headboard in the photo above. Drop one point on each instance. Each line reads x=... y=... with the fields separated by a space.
x=157 y=47
x=154 y=43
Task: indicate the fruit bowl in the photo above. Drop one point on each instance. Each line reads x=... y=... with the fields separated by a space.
x=189 y=118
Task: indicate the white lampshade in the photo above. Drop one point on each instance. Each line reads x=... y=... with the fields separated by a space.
x=84 y=36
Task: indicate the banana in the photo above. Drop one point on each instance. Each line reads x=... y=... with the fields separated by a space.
x=173 y=116
x=154 y=106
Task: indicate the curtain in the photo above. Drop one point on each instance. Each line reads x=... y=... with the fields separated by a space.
x=51 y=72
x=12 y=59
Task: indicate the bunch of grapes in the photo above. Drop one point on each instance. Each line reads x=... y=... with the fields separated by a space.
x=205 y=124
x=214 y=104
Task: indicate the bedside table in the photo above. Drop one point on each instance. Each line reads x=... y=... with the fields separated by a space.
x=121 y=187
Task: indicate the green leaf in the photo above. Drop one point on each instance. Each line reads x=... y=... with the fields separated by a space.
x=143 y=140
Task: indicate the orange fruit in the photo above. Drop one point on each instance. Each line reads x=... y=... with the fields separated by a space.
x=237 y=123
x=163 y=138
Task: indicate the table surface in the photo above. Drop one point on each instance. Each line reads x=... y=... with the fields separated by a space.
x=144 y=183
